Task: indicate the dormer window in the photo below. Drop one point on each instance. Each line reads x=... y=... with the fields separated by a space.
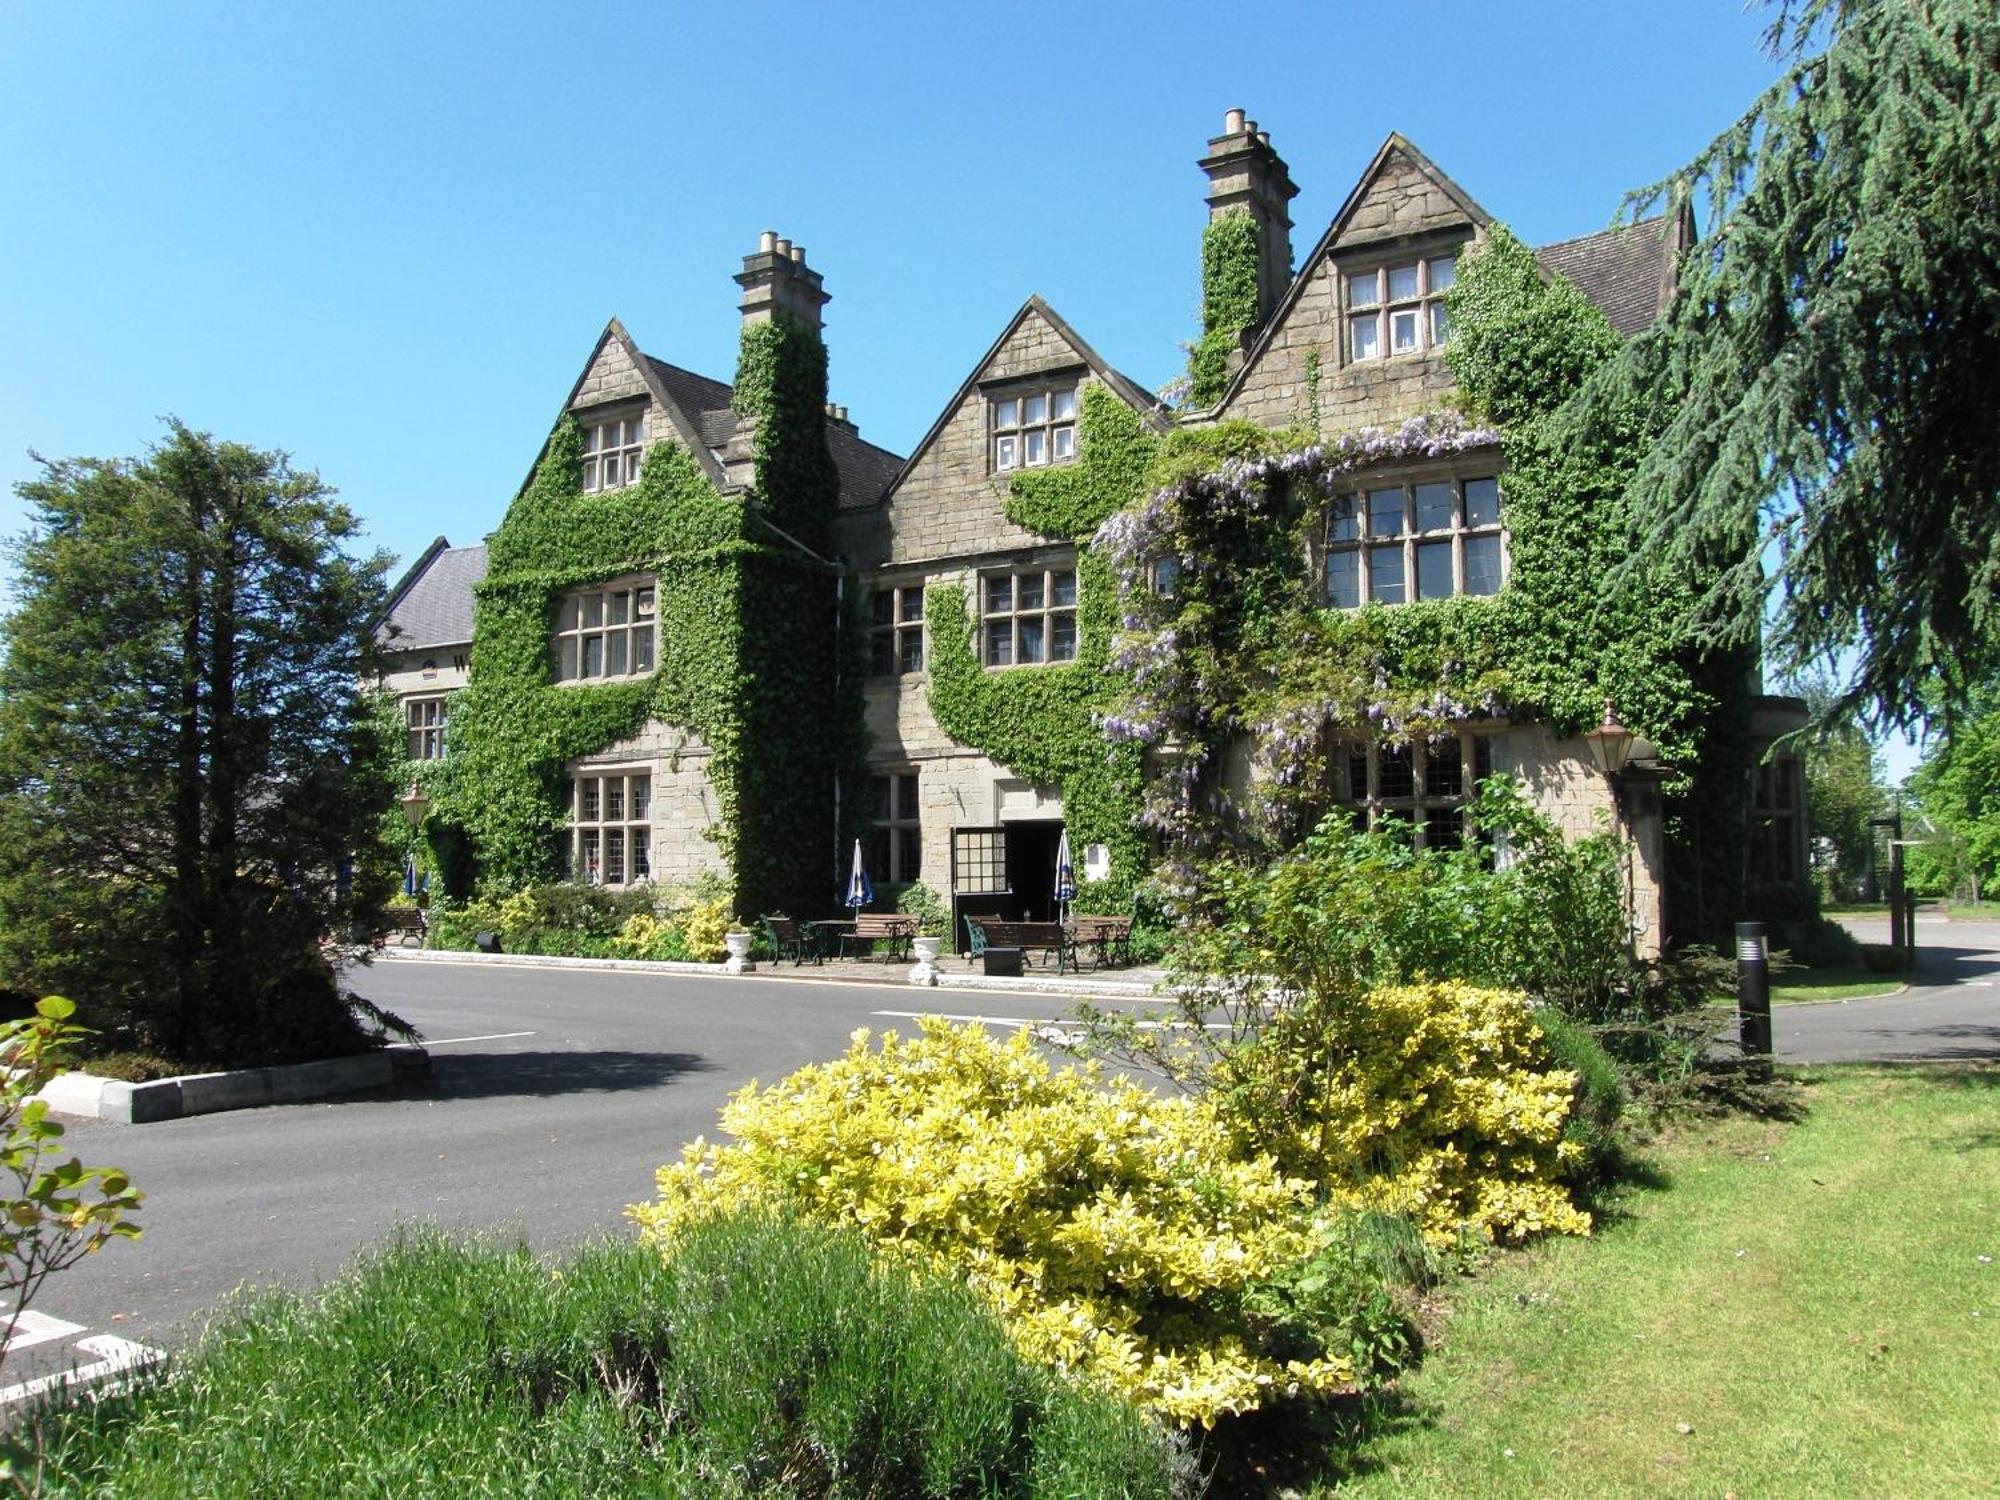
x=612 y=452
x=606 y=632
x=1398 y=308
x=1033 y=428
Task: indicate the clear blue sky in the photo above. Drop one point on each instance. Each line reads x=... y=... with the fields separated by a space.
x=384 y=237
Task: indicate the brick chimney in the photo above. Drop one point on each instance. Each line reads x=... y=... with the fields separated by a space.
x=1244 y=172
x=777 y=280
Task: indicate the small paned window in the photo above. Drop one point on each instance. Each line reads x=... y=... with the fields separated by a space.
x=895 y=846
x=896 y=630
x=1426 y=783
x=1430 y=540
x=1033 y=428
x=606 y=632
x=610 y=834
x=1399 y=309
x=613 y=449
x=426 y=726
x=1776 y=852
x=1029 y=616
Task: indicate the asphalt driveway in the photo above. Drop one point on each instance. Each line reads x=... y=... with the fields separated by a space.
x=1951 y=1011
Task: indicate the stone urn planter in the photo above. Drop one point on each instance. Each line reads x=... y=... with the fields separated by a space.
x=927 y=953
x=738 y=946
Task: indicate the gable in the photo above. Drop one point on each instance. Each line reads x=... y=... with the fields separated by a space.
x=1402 y=204
x=1402 y=194
x=947 y=501
x=612 y=375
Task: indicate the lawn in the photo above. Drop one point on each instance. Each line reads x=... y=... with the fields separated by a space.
x=1837 y=982
x=1791 y=1309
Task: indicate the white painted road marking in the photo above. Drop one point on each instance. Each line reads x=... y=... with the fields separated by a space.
x=1053 y=1023
x=115 y=1356
x=31 y=1328
x=491 y=1036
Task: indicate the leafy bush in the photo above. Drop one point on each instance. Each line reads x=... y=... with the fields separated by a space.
x=702 y=933
x=933 y=916
x=765 y=1358
x=54 y=1210
x=1599 y=1100
x=646 y=936
x=1439 y=1102
x=1121 y=1235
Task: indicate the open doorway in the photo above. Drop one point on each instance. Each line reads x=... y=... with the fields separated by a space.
x=1031 y=869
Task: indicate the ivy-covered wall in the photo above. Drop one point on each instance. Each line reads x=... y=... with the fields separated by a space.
x=746 y=653
x=1243 y=653
x=1043 y=723
x=1229 y=258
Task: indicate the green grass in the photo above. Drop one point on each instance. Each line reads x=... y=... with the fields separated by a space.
x=1842 y=982
x=1807 y=1300
x=765 y=1359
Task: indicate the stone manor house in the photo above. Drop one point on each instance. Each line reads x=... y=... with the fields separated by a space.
x=1361 y=315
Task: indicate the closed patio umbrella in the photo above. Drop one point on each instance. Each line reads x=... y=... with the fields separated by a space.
x=860 y=889
x=1065 y=876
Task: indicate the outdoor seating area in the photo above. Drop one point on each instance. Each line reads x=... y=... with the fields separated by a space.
x=864 y=934
x=1108 y=939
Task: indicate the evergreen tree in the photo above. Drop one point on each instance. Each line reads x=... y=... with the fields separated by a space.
x=1957 y=812
x=187 y=770
x=1831 y=359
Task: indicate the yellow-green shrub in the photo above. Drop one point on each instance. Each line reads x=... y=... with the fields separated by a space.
x=703 y=928
x=1116 y=1231
x=1437 y=1101
x=644 y=935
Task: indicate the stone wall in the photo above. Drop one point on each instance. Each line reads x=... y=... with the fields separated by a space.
x=1402 y=212
x=685 y=807
x=1562 y=781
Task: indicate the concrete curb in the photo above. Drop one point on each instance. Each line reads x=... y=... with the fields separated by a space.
x=892 y=977
x=124 y=1103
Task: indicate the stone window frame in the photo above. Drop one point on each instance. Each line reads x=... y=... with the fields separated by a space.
x=894 y=848
x=614 y=439
x=1351 y=548
x=896 y=629
x=1012 y=428
x=637 y=637
x=424 y=722
x=1415 y=781
x=1422 y=299
x=1051 y=621
x=603 y=820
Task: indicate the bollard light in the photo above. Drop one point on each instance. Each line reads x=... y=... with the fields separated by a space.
x=1753 y=989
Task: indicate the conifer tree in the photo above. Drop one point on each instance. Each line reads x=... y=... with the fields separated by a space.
x=187 y=769
x=1831 y=361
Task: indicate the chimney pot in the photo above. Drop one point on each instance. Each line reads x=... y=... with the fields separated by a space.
x=1263 y=137
x=1232 y=123
x=1250 y=126
x=767 y=242
x=798 y=255
x=783 y=247
x=1246 y=174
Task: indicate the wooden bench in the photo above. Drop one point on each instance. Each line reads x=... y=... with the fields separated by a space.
x=871 y=927
x=1029 y=937
x=1110 y=937
x=404 y=922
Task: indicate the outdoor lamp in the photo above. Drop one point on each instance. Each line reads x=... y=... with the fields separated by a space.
x=1610 y=744
x=415 y=804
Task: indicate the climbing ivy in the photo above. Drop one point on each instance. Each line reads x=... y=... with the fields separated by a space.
x=1243 y=658
x=1043 y=723
x=745 y=645
x=1229 y=259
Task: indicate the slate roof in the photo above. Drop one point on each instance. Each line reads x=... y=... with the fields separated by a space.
x=1627 y=272
x=432 y=605
x=865 y=469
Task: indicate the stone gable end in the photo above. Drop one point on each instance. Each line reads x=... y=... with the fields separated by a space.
x=1401 y=199
x=949 y=505
x=612 y=376
x=1400 y=203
